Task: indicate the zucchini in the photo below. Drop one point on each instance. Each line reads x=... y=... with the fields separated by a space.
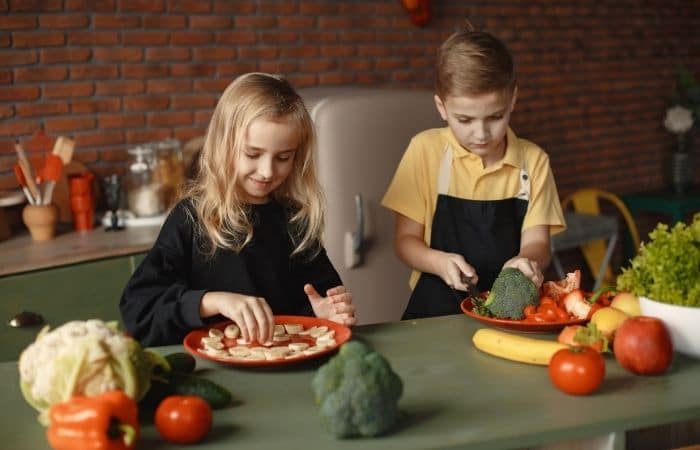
x=189 y=384
x=181 y=362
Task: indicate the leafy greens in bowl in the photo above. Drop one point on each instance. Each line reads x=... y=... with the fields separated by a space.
x=667 y=267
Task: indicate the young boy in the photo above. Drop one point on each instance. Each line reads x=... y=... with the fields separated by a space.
x=471 y=198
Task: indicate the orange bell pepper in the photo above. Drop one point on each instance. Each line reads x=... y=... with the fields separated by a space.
x=105 y=422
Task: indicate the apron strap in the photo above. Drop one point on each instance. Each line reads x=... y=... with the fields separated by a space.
x=443 y=180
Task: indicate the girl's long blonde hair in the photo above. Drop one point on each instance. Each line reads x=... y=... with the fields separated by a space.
x=220 y=208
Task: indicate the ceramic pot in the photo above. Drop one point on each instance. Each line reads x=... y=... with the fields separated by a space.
x=41 y=221
x=682 y=323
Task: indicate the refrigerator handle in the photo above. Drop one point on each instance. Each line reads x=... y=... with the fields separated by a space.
x=354 y=241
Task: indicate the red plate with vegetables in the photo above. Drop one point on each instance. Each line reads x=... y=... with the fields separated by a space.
x=556 y=305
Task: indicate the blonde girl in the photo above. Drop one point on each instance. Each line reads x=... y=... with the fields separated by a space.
x=244 y=242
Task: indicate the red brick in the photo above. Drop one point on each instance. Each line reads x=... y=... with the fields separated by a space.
x=5 y=76
x=236 y=68
x=118 y=54
x=309 y=8
x=24 y=39
x=193 y=101
x=18 y=58
x=278 y=37
x=64 y=21
x=192 y=70
x=236 y=37
x=92 y=38
x=202 y=117
x=18 y=128
x=187 y=6
x=167 y=54
x=146 y=103
x=299 y=52
x=95 y=105
x=168 y=86
x=119 y=87
x=334 y=23
x=145 y=38
x=168 y=22
x=65 y=90
x=217 y=86
x=336 y=78
x=89 y=5
x=54 y=126
x=357 y=65
x=170 y=119
x=143 y=6
x=318 y=37
x=88 y=72
x=185 y=134
x=6 y=111
x=390 y=63
x=150 y=135
x=46 y=73
x=337 y=50
x=84 y=156
x=99 y=137
x=366 y=9
x=256 y=22
x=317 y=65
x=375 y=50
x=112 y=21
x=35 y=5
x=259 y=52
x=214 y=54
x=116 y=155
x=234 y=7
x=41 y=109
x=277 y=66
x=121 y=121
x=144 y=70
x=297 y=22
x=191 y=38
x=65 y=55
x=17 y=22
x=210 y=22
x=4 y=39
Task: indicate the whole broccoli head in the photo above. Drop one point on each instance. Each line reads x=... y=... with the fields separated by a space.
x=358 y=392
x=510 y=294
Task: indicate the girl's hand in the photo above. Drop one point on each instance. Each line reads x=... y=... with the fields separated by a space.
x=455 y=271
x=529 y=267
x=336 y=306
x=252 y=314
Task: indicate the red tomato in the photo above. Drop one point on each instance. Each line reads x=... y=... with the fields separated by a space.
x=548 y=311
x=183 y=419
x=536 y=317
x=577 y=371
x=643 y=345
x=530 y=310
x=547 y=301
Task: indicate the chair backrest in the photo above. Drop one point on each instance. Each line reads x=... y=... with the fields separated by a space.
x=588 y=201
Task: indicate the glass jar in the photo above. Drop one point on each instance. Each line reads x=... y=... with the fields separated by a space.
x=144 y=191
x=169 y=169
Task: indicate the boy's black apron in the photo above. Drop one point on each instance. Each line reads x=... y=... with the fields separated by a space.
x=486 y=232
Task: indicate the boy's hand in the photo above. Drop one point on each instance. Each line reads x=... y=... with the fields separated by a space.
x=252 y=314
x=529 y=267
x=336 y=306
x=455 y=271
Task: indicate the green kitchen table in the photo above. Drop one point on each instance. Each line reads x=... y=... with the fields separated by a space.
x=454 y=397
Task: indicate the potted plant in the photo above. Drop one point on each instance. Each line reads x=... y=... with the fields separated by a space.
x=665 y=275
x=680 y=118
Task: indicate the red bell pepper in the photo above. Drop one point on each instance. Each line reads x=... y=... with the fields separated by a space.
x=105 y=422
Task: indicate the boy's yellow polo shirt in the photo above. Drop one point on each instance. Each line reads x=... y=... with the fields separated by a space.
x=413 y=190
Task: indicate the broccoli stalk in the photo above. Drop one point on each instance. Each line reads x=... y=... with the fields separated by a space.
x=358 y=392
x=511 y=292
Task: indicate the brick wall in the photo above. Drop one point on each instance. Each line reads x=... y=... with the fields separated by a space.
x=594 y=76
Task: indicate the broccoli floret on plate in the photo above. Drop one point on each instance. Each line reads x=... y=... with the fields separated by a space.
x=510 y=294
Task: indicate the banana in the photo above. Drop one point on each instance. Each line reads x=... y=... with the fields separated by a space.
x=514 y=347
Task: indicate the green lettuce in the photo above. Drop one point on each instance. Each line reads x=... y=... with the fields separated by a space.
x=667 y=267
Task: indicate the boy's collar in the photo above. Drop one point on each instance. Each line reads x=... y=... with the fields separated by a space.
x=512 y=157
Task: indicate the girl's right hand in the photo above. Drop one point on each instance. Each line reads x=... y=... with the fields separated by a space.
x=252 y=314
x=455 y=271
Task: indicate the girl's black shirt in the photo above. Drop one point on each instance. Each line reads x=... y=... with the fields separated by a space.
x=160 y=303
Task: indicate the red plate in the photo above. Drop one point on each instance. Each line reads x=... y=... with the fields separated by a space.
x=192 y=341
x=518 y=325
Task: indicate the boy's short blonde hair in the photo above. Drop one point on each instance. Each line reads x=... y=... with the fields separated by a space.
x=473 y=62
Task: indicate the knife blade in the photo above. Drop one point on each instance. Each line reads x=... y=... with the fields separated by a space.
x=473 y=290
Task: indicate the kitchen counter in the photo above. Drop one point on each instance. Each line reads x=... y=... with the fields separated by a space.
x=454 y=397
x=21 y=254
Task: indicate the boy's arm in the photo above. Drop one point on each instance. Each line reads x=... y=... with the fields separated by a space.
x=412 y=250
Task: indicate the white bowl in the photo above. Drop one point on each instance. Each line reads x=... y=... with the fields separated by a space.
x=683 y=323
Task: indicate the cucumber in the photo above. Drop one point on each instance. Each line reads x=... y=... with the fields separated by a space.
x=189 y=384
x=181 y=362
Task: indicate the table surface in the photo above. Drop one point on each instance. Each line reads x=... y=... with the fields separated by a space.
x=454 y=397
x=21 y=254
x=665 y=201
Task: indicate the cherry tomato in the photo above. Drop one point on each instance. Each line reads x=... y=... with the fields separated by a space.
x=562 y=315
x=530 y=310
x=536 y=317
x=183 y=419
x=577 y=371
x=547 y=301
